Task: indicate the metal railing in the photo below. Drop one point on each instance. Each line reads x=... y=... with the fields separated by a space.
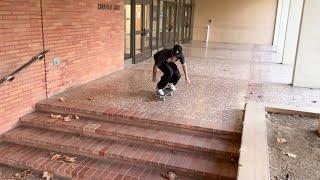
x=11 y=76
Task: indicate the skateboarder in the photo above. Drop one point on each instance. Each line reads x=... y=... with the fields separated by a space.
x=165 y=61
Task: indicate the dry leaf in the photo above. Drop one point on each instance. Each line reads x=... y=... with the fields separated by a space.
x=69 y=159
x=61 y=99
x=23 y=174
x=173 y=151
x=56 y=157
x=77 y=117
x=90 y=98
x=67 y=118
x=291 y=155
x=47 y=175
x=54 y=116
x=281 y=140
x=170 y=176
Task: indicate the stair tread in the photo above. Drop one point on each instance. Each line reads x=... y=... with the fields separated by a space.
x=38 y=159
x=159 y=157
x=116 y=114
x=206 y=143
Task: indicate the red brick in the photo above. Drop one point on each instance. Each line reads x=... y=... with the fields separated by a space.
x=67 y=36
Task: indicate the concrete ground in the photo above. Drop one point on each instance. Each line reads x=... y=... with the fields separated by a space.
x=223 y=78
x=302 y=141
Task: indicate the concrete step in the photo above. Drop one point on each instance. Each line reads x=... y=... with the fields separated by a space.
x=171 y=139
x=145 y=119
x=36 y=159
x=184 y=163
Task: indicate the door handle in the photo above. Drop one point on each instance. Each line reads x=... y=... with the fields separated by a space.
x=143 y=33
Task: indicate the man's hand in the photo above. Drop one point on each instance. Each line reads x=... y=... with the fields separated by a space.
x=187 y=80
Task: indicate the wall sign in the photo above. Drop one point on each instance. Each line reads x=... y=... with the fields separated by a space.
x=108 y=7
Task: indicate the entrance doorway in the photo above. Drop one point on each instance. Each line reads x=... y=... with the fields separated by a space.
x=143 y=29
x=186 y=23
x=151 y=25
x=127 y=38
x=169 y=24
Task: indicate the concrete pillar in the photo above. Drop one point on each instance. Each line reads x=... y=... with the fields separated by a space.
x=281 y=26
x=319 y=127
x=307 y=67
x=293 y=30
x=277 y=25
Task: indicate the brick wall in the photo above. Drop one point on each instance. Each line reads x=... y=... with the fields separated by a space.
x=20 y=39
x=88 y=41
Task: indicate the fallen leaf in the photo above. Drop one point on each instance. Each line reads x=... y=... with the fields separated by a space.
x=54 y=116
x=260 y=96
x=23 y=174
x=314 y=101
x=69 y=159
x=77 y=117
x=273 y=167
x=170 y=175
x=291 y=155
x=47 y=175
x=61 y=99
x=56 y=157
x=287 y=177
x=67 y=118
x=90 y=98
x=173 y=151
x=281 y=140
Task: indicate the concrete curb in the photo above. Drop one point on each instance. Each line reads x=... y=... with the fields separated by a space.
x=290 y=110
x=254 y=157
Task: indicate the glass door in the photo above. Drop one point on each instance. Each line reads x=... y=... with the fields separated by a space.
x=186 y=23
x=127 y=40
x=169 y=24
x=143 y=29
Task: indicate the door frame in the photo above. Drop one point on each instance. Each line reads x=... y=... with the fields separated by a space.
x=173 y=5
x=146 y=52
x=135 y=58
x=187 y=23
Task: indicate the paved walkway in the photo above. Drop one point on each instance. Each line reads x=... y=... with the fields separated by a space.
x=223 y=77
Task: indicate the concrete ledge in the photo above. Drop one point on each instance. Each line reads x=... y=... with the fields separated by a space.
x=291 y=110
x=254 y=159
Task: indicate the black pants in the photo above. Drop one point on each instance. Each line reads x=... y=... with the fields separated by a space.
x=171 y=74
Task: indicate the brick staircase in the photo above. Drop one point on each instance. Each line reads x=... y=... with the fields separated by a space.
x=112 y=143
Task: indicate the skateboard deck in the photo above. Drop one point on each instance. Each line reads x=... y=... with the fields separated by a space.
x=167 y=92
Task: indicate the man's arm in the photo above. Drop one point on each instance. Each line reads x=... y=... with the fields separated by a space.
x=154 y=77
x=185 y=70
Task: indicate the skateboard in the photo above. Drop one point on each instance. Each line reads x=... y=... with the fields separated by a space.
x=167 y=92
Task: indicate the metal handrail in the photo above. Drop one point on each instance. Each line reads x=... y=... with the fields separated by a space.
x=11 y=76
